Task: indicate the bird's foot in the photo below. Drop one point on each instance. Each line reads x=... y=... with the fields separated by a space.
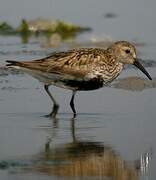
x=74 y=115
x=54 y=111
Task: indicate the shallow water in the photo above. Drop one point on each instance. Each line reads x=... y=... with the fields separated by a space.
x=113 y=136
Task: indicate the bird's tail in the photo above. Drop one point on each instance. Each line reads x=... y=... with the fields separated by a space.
x=13 y=63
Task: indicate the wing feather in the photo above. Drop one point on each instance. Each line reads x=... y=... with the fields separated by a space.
x=76 y=62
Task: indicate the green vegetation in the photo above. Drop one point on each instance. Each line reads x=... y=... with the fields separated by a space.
x=23 y=27
x=42 y=26
x=5 y=28
x=65 y=29
x=24 y=31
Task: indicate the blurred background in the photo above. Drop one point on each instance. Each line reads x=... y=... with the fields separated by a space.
x=108 y=20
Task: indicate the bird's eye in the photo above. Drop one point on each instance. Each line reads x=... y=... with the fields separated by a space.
x=127 y=51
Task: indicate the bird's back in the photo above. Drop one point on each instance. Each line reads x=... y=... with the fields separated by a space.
x=92 y=65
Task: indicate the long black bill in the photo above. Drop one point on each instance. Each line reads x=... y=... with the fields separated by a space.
x=140 y=66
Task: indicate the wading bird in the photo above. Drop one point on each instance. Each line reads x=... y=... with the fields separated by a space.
x=80 y=69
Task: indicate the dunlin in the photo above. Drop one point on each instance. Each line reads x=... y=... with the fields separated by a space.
x=81 y=69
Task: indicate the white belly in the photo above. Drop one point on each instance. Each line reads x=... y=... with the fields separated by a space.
x=49 y=78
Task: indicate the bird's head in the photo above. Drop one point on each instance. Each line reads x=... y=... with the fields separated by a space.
x=125 y=53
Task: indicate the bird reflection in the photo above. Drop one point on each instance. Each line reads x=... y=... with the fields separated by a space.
x=82 y=159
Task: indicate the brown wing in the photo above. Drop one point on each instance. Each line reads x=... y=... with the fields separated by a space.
x=76 y=62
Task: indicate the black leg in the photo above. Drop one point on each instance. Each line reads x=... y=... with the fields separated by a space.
x=73 y=129
x=55 y=106
x=72 y=104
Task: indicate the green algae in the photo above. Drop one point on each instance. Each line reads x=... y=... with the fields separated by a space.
x=5 y=28
x=40 y=26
